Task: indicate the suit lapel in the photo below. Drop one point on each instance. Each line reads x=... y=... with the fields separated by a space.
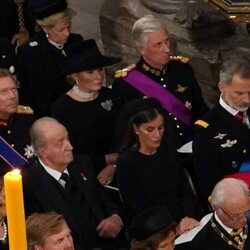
x=48 y=188
x=86 y=183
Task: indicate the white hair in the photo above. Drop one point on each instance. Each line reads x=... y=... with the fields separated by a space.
x=143 y=26
x=226 y=188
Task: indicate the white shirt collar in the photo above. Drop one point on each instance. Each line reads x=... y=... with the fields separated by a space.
x=54 y=173
x=227 y=107
x=229 y=230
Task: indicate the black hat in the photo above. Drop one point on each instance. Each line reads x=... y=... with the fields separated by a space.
x=149 y=222
x=85 y=55
x=50 y=7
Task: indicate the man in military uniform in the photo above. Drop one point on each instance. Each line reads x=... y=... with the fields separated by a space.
x=228 y=227
x=175 y=78
x=15 y=121
x=222 y=143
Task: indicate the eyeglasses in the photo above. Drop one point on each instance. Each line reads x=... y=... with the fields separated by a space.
x=236 y=216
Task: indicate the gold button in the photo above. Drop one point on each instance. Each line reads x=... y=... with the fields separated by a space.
x=12 y=145
x=9 y=131
x=244 y=151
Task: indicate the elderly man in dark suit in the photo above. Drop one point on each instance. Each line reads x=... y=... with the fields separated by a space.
x=228 y=227
x=222 y=143
x=60 y=182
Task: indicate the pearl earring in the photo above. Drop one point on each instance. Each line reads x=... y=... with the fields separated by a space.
x=47 y=35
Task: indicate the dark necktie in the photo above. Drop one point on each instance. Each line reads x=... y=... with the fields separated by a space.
x=70 y=187
x=68 y=182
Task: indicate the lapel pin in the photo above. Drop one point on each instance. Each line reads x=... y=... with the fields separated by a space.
x=83 y=176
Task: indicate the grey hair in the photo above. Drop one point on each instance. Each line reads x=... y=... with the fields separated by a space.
x=143 y=26
x=239 y=65
x=224 y=189
x=50 y=21
x=37 y=138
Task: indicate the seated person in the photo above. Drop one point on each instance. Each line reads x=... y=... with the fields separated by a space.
x=221 y=145
x=17 y=21
x=15 y=121
x=42 y=58
x=48 y=231
x=3 y=222
x=61 y=182
x=170 y=81
x=148 y=173
x=228 y=227
x=89 y=110
x=152 y=229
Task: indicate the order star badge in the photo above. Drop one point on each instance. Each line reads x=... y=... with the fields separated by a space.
x=29 y=151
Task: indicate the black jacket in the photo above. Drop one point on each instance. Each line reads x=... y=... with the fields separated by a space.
x=40 y=66
x=213 y=155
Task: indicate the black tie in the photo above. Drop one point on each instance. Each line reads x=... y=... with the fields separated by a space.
x=70 y=187
x=68 y=182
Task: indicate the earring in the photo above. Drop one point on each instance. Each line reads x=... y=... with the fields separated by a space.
x=137 y=133
x=47 y=35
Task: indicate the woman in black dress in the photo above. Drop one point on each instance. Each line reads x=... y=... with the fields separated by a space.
x=147 y=171
x=89 y=110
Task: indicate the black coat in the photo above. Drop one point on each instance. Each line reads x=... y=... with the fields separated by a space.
x=179 y=79
x=213 y=158
x=7 y=55
x=9 y=25
x=41 y=194
x=40 y=65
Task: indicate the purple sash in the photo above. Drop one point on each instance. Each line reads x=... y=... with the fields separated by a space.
x=151 y=88
x=10 y=155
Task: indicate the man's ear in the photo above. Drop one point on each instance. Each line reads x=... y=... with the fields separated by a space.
x=41 y=152
x=140 y=49
x=221 y=86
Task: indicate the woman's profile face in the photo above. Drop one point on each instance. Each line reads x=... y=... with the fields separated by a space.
x=167 y=243
x=150 y=134
x=59 y=33
x=90 y=80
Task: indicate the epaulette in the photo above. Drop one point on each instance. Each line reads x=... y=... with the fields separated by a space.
x=182 y=59
x=123 y=72
x=201 y=123
x=24 y=110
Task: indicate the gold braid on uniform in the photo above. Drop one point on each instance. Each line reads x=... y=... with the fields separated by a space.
x=236 y=237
